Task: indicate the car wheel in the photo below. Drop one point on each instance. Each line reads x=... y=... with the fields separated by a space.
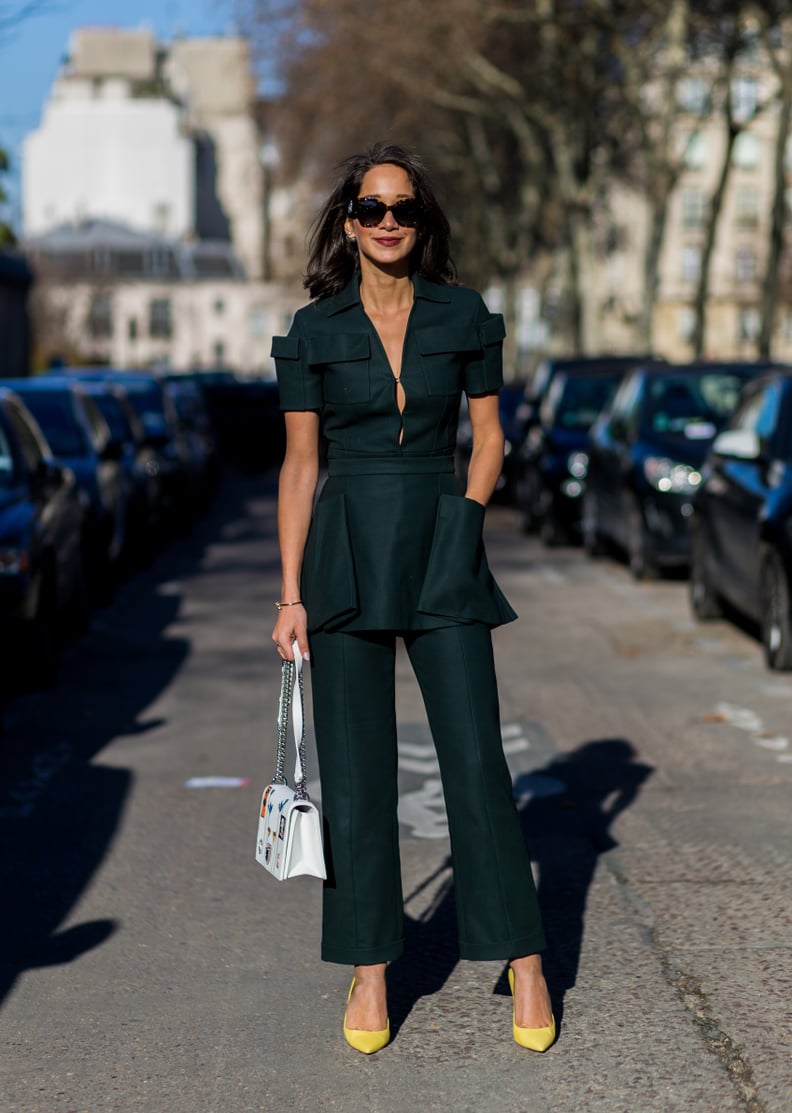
x=704 y=599
x=641 y=566
x=776 y=619
x=592 y=539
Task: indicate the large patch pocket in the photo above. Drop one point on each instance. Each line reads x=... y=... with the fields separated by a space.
x=344 y=359
x=444 y=352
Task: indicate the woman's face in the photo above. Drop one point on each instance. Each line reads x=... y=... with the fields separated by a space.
x=387 y=245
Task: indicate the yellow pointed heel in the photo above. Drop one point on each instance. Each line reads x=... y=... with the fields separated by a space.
x=364 y=1041
x=535 y=1039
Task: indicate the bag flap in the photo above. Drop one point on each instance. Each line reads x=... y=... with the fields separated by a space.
x=438 y=339
x=338 y=347
x=285 y=347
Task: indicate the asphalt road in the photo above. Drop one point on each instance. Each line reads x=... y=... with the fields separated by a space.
x=148 y=964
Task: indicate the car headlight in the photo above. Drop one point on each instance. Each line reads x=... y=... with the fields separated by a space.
x=669 y=476
x=577 y=464
x=14 y=561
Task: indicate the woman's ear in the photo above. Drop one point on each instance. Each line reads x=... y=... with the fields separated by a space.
x=349 y=229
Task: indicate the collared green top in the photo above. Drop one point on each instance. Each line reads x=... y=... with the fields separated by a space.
x=393 y=545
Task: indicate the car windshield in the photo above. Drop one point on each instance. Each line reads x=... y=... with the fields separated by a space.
x=693 y=406
x=6 y=462
x=146 y=398
x=113 y=413
x=55 y=414
x=575 y=401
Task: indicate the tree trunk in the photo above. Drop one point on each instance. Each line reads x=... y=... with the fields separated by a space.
x=770 y=284
x=713 y=219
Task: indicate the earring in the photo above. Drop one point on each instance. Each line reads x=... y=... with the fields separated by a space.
x=351 y=238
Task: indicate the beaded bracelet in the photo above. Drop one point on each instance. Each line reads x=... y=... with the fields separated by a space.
x=295 y=603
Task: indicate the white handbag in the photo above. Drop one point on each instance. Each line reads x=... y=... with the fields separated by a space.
x=289 y=839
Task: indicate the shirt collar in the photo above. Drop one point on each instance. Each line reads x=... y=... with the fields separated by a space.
x=350 y=295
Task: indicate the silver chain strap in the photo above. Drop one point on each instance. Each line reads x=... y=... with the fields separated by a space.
x=284 y=708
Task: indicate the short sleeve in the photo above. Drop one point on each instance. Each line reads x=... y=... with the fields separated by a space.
x=299 y=385
x=484 y=372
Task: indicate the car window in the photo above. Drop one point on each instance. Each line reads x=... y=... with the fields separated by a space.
x=29 y=445
x=6 y=460
x=97 y=425
x=692 y=406
x=624 y=412
x=747 y=413
x=113 y=413
x=55 y=414
x=581 y=398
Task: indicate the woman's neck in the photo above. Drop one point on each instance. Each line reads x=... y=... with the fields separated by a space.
x=383 y=292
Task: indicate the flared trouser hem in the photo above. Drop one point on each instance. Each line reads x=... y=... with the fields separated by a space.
x=510 y=948
x=365 y=956
x=355 y=721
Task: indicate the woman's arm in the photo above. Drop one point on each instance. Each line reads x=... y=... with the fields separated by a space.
x=296 y=488
x=486 y=460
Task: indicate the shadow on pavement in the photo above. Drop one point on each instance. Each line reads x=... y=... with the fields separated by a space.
x=567 y=830
x=59 y=812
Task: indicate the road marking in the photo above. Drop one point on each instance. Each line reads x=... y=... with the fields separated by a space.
x=745 y=719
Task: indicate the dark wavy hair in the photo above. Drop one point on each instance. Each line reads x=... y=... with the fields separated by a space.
x=333 y=258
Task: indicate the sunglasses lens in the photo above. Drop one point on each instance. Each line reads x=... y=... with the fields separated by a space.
x=406 y=213
x=371 y=212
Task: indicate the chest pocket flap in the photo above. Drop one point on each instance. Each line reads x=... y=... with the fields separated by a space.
x=444 y=352
x=343 y=359
x=340 y=347
x=440 y=340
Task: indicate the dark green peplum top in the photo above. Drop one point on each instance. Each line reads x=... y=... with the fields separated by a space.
x=393 y=544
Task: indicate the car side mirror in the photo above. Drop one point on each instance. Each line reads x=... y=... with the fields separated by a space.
x=738 y=444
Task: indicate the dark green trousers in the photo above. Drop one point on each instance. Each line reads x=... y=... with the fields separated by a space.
x=352 y=678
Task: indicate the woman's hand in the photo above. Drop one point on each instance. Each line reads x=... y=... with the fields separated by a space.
x=291 y=627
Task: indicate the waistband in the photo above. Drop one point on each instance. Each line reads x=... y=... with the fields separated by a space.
x=389 y=465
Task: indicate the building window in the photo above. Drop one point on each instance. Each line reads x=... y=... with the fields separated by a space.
x=694 y=95
x=747 y=206
x=218 y=350
x=132 y=328
x=745 y=97
x=747 y=325
x=692 y=208
x=258 y=322
x=219 y=307
x=745 y=264
x=694 y=150
x=100 y=316
x=686 y=323
x=691 y=263
x=746 y=151
x=160 y=321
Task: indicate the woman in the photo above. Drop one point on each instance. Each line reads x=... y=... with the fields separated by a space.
x=393 y=548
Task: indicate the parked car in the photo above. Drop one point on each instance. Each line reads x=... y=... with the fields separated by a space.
x=552 y=462
x=741 y=527
x=41 y=527
x=190 y=406
x=548 y=368
x=163 y=431
x=81 y=439
x=139 y=464
x=645 y=458
x=509 y=402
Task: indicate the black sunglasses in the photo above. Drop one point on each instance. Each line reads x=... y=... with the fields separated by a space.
x=371 y=212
